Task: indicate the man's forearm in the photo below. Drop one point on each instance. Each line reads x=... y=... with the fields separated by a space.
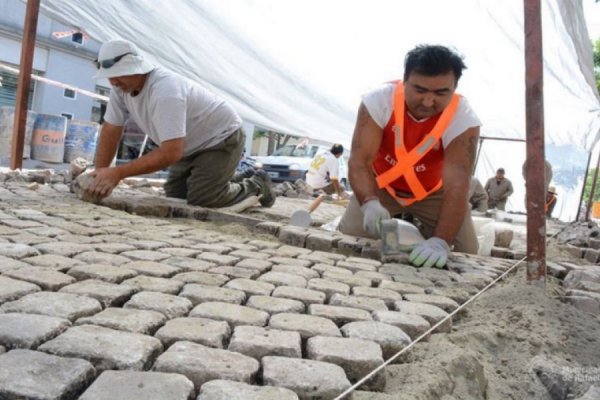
x=363 y=182
x=154 y=161
x=107 y=148
x=337 y=187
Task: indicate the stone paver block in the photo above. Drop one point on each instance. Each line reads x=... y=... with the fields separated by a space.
x=412 y=324
x=251 y=287
x=307 y=296
x=145 y=255
x=387 y=295
x=442 y=302
x=309 y=379
x=339 y=315
x=108 y=294
x=171 y=306
x=188 y=264
x=203 y=278
x=59 y=263
x=234 y=314
x=27 y=331
x=6 y=263
x=198 y=330
x=402 y=288
x=27 y=374
x=362 y=260
x=46 y=278
x=212 y=248
x=218 y=259
x=294 y=262
x=430 y=312
x=152 y=284
x=356 y=266
x=274 y=305
x=129 y=320
x=230 y=390
x=236 y=272
x=98 y=257
x=105 y=348
x=113 y=248
x=12 y=289
x=17 y=250
x=322 y=268
x=261 y=265
x=65 y=249
x=152 y=268
x=106 y=273
x=248 y=254
x=202 y=364
x=134 y=385
x=351 y=280
x=180 y=252
x=304 y=272
x=375 y=277
x=356 y=356
x=391 y=338
x=320 y=241
x=306 y=325
x=364 y=303
x=269 y=227
x=283 y=279
x=328 y=287
x=292 y=236
x=62 y=305
x=203 y=293
x=148 y=244
x=258 y=342
x=288 y=251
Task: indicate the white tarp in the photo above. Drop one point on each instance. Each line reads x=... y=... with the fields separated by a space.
x=301 y=66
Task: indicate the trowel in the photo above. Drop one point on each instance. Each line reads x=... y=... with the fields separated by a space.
x=390 y=242
x=300 y=218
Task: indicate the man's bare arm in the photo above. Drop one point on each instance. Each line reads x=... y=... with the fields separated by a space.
x=365 y=144
x=459 y=157
x=168 y=153
x=110 y=137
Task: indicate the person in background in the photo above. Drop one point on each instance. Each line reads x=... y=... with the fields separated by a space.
x=477 y=196
x=413 y=151
x=551 y=197
x=323 y=175
x=498 y=189
x=198 y=133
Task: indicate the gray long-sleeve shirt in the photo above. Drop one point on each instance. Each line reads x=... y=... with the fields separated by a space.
x=498 y=190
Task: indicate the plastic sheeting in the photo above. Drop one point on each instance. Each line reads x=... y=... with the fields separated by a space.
x=300 y=66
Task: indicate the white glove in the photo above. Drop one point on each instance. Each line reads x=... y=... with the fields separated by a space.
x=433 y=251
x=374 y=213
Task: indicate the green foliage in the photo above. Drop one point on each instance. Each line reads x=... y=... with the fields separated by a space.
x=597 y=63
x=588 y=187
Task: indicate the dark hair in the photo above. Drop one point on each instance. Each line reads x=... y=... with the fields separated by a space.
x=337 y=149
x=432 y=60
x=500 y=171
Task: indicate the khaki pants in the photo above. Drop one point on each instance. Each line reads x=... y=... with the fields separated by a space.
x=203 y=178
x=427 y=211
x=497 y=204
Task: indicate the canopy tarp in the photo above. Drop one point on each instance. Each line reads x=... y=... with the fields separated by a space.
x=299 y=67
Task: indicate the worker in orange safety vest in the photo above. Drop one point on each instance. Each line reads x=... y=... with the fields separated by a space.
x=413 y=150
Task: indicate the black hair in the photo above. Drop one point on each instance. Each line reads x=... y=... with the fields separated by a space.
x=432 y=60
x=500 y=171
x=337 y=149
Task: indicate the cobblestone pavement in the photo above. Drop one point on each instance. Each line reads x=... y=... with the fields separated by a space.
x=101 y=303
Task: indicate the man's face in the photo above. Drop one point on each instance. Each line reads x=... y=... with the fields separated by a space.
x=427 y=96
x=126 y=83
x=499 y=175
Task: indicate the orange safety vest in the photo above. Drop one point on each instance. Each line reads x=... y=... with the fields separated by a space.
x=407 y=158
x=549 y=202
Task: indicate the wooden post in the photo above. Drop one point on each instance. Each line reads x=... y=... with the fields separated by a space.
x=587 y=171
x=25 y=68
x=590 y=203
x=534 y=110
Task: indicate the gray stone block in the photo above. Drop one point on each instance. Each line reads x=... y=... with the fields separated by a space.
x=188 y=264
x=503 y=237
x=203 y=293
x=230 y=390
x=198 y=330
x=402 y=288
x=321 y=241
x=306 y=325
x=180 y=252
x=260 y=265
x=134 y=385
x=269 y=227
x=442 y=302
x=249 y=254
x=202 y=278
x=251 y=287
x=275 y=305
x=293 y=236
x=431 y=313
x=328 y=287
x=152 y=284
x=584 y=303
x=18 y=250
x=391 y=338
x=27 y=331
x=350 y=280
x=46 y=278
x=108 y=294
x=12 y=289
x=375 y=277
x=218 y=259
x=387 y=295
x=26 y=374
x=171 y=306
x=98 y=257
x=258 y=342
x=339 y=315
x=304 y=272
x=357 y=264
x=62 y=248
x=235 y=272
x=234 y=314
x=202 y=364
x=129 y=320
x=283 y=279
x=212 y=248
x=105 y=348
x=412 y=324
x=307 y=296
x=152 y=268
x=113 y=248
x=294 y=262
x=53 y=261
x=356 y=356
x=364 y=303
x=322 y=268
x=62 y=305
x=106 y=273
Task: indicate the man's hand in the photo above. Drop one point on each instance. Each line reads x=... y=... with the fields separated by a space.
x=433 y=251
x=105 y=180
x=374 y=213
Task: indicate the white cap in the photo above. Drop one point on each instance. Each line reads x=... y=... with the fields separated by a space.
x=131 y=64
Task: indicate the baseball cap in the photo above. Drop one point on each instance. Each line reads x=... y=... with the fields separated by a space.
x=121 y=58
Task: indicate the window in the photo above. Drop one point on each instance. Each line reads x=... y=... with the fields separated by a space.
x=8 y=90
x=70 y=94
x=67 y=115
x=77 y=38
x=99 y=107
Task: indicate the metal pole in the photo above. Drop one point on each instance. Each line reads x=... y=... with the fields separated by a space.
x=593 y=191
x=587 y=171
x=534 y=110
x=26 y=64
x=477 y=156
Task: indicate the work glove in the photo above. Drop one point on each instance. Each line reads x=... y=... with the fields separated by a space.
x=374 y=213
x=432 y=252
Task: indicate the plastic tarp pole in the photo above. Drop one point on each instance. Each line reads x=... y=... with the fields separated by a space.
x=24 y=82
x=534 y=116
x=587 y=172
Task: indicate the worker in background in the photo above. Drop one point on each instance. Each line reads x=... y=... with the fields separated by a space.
x=478 y=197
x=323 y=175
x=413 y=150
x=547 y=177
x=551 y=197
x=198 y=133
x=498 y=188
